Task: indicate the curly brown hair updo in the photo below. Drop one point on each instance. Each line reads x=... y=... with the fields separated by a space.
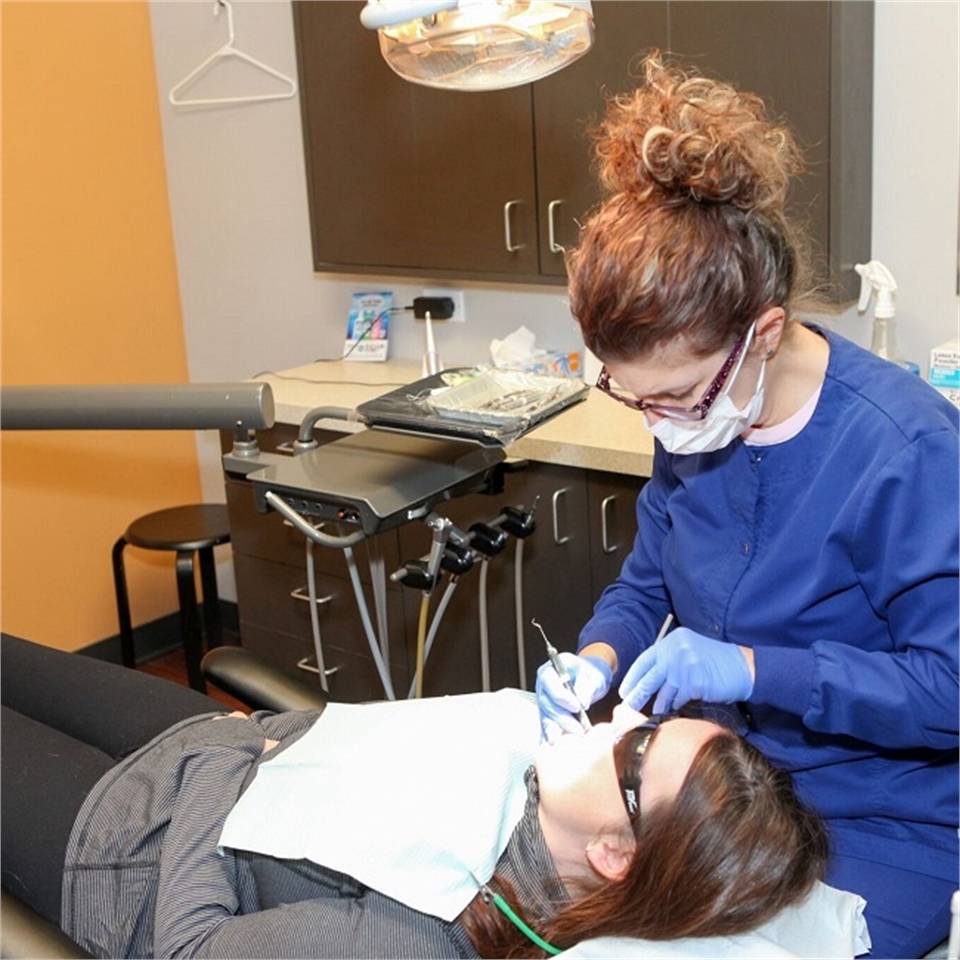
x=693 y=241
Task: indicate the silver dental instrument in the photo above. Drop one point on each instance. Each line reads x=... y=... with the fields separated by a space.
x=564 y=675
x=664 y=628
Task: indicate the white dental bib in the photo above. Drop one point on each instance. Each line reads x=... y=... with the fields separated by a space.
x=416 y=798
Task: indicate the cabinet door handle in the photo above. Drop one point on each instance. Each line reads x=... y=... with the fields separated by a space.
x=605 y=526
x=552 y=226
x=557 y=495
x=507 y=228
x=301 y=593
x=309 y=667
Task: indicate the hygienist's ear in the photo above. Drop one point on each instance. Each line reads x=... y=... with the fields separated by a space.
x=770 y=325
x=611 y=854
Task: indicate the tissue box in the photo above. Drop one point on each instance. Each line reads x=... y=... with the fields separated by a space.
x=551 y=363
x=945 y=370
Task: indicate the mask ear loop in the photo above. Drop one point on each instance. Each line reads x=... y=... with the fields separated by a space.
x=490 y=897
x=740 y=359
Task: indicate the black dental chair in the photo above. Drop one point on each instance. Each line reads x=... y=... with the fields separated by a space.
x=24 y=934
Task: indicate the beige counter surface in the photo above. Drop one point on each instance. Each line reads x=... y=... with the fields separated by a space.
x=598 y=433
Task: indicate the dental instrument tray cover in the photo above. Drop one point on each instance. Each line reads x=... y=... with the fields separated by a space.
x=487 y=405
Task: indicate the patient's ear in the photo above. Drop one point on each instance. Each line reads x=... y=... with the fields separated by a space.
x=610 y=854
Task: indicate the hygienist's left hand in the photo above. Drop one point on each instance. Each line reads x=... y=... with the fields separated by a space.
x=686 y=666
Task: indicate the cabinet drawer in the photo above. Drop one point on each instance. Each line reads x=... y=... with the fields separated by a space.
x=351 y=678
x=613 y=524
x=274 y=596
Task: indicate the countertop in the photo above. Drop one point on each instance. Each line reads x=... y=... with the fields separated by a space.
x=597 y=433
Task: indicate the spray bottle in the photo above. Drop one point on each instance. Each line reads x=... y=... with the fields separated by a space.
x=876 y=278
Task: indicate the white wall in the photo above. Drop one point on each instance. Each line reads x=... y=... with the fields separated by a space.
x=916 y=171
x=251 y=301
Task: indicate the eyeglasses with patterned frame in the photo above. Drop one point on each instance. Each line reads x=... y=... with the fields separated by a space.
x=698 y=411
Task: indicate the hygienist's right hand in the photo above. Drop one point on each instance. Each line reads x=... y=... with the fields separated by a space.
x=591 y=679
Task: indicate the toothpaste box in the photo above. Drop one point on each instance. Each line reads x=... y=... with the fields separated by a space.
x=945 y=370
x=368 y=327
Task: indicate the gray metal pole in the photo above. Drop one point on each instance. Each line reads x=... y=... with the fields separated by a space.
x=204 y=406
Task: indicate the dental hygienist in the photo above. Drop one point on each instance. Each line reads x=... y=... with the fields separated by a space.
x=801 y=523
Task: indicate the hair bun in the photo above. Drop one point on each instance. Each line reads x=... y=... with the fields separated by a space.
x=695 y=139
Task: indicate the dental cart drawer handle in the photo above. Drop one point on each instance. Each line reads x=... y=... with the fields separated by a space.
x=507 y=231
x=301 y=594
x=551 y=226
x=605 y=527
x=306 y=665
x=557 y=494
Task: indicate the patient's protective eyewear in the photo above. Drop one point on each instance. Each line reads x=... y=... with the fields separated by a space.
x=630 y=748
x=628 y=753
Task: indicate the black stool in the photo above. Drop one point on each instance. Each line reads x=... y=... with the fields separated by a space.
x=193 y=529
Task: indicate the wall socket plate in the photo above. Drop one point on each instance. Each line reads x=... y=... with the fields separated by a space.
x=459 y=303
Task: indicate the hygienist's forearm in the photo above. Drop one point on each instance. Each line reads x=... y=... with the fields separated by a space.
x=602 y=651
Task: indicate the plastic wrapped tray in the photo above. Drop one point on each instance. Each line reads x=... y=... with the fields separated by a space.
x=486 y=404
x=502 y=396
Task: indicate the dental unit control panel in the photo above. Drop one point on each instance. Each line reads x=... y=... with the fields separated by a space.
x=375 y=480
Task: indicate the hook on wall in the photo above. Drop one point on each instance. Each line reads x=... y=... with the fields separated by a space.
x=228 y=50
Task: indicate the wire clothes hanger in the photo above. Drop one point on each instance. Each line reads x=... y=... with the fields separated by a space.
x=226 y=51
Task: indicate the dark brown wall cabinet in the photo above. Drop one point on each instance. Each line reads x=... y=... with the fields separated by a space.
x=409 y=180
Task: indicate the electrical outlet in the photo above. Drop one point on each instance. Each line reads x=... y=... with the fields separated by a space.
x=459 y=304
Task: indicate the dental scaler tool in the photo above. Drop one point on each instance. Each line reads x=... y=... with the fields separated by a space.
x=564 y=675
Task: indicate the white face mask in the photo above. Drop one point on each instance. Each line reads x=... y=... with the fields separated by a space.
x=722 y=424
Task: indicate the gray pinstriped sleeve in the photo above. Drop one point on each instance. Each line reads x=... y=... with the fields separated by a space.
x=143 y=876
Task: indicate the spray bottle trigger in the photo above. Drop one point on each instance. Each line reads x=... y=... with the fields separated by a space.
x=875 y=277
x=866 y=290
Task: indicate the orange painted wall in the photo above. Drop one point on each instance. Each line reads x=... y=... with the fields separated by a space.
x=89 y=296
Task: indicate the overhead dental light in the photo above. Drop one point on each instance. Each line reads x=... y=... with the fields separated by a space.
x=479 y=44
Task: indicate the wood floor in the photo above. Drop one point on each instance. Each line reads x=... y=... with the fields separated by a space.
x=173 y=666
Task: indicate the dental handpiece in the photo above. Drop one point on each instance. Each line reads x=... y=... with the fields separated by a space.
x=564 y=675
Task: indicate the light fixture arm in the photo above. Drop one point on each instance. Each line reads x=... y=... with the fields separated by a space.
x=179 y=406
x=378 y=14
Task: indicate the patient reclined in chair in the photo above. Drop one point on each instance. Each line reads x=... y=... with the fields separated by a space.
x=119 y=773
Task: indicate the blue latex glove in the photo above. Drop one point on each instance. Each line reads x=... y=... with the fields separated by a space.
x=591 y=678
x=686 y=666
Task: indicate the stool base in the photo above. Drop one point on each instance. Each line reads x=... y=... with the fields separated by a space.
x=148 y=532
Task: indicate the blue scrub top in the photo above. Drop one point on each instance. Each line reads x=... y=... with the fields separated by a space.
x=834 y=555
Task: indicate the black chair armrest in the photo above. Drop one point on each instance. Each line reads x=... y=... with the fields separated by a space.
x=258 y=683
x=24 y=934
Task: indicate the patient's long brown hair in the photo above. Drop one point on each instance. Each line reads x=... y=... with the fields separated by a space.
x=734 y=848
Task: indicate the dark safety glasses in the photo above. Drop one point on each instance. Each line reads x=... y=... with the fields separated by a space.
x=698 y=411
x=628 y=752
x=630 y=748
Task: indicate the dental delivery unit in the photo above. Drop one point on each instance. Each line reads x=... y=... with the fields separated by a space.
x=438 y=438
